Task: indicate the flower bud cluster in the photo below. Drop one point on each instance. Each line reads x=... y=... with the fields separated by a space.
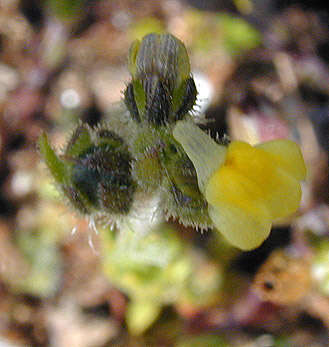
x=105 y=170
x=239 y=189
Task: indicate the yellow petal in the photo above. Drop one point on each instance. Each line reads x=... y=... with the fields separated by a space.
x=230 y=186
x=241 y=229
x=287 y=155
x=237 y=208
x=274 y=180
x=284 y=197
x=251 y=162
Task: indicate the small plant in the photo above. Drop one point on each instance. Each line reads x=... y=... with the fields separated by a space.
x=113 y=168
x=152 y=163
x=159 y=154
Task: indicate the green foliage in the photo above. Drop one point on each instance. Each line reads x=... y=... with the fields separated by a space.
x=141 y=315
x=207 y=340
x=40 y=252
x=238 y=34
x=150 y=268
x=155 y=270
x=282 y=341
x=213 y=31
x=66 y=9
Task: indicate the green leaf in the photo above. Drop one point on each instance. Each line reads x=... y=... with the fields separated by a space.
x=132 y=56
x=140 y=97
x=56 y=166
x=140 y=316
x=79 y=142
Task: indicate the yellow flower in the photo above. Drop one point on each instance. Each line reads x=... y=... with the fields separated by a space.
x=246 y=187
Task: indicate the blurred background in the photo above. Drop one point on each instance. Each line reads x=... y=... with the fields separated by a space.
x=261 y=69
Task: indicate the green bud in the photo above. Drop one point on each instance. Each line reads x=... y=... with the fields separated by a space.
x=147 y=168
x=94 y=171
x=183 y=197
x=162 y=90
x=148 y=171
x=162 y=164
x=162 y=54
